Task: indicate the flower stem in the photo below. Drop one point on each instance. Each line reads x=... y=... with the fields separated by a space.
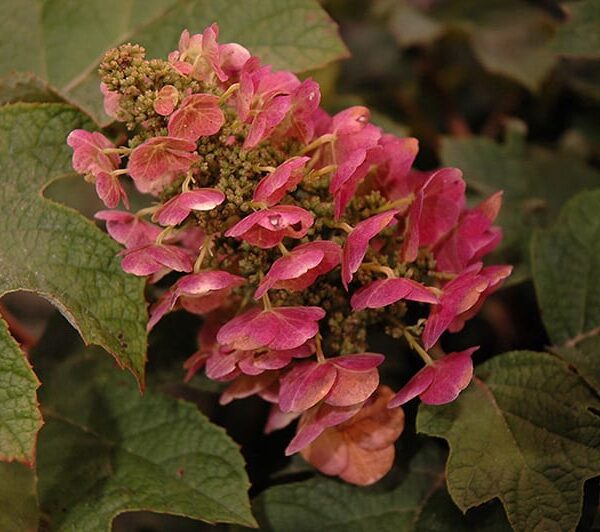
x=371 y=266
x=417 y=347
x=406 y=200
x=204 y=249
x=319 y=349
x=230 y=90
x=266 y=302
x=323 y=139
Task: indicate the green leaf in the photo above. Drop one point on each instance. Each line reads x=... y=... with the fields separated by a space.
x=565 y=264
x=105 y=449
x=62 y=41
x=417 y=503
x=52 y=250
x=18 y=500
x=522 y=432
x=324 y=504
x=508 y=37
x=579 y=36
x=533 y=181
x=584 y=356
x=20 y=418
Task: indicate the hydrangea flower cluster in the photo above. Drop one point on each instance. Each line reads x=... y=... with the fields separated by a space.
x=291 y=232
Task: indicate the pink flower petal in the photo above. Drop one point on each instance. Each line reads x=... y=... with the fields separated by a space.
x=434 y=211
x=159 y=160
x=387 y=291
x=166 y=100
x=357 y=242
x=151 y=258
x=278 y=419
x=279 y=329
x=110 y=190
x=245 y=386
x=178 y=208
x=286 y=176
x=198 y=116
x=128 y=229
x=266 y=228
x=415 y=386
x=453 y=373
x=197 y=287
x=88 y=156
x=267 y=120
x=305 y=385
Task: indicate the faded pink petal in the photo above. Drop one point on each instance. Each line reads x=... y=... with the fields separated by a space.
x=268 y=227
x=278 y=419
x=111 y=102
x=357 y=242
x=245 y=386
x=110 y=190
x=151 y=258
x=305 y=385
x=159 y=160
x=300 y=268
x=128 y=229
x=232 y=57
x=198 y=291
x=439 y=383
x=178 y=208
x=286 y=177
x=280 y=328
x=357 y=378
x=271 y=359
x=166 y=100
x=198 y=116
x=88 y=157
x=387 y=291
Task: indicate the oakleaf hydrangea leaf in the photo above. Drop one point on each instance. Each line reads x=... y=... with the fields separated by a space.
x=508 y=37
x=18 y=499
x=20 y=418
x=522 y=432
x=533 y=181
x=565 y=263
x=62 y=42
x=52 y=250
x=584 y=356
x=579 y=36
x=106 y=449
x=418 y=503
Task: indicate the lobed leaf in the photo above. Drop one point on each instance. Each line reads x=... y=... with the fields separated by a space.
x=579 y=36
x=417 y=503
x=105 y=450
x=62 y=41
x=52 y=250
x=20 y=417
x=18 y=499
x=523 y=432
x=565 y=263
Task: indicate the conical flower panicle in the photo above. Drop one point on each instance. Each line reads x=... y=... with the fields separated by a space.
x=292 y=232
